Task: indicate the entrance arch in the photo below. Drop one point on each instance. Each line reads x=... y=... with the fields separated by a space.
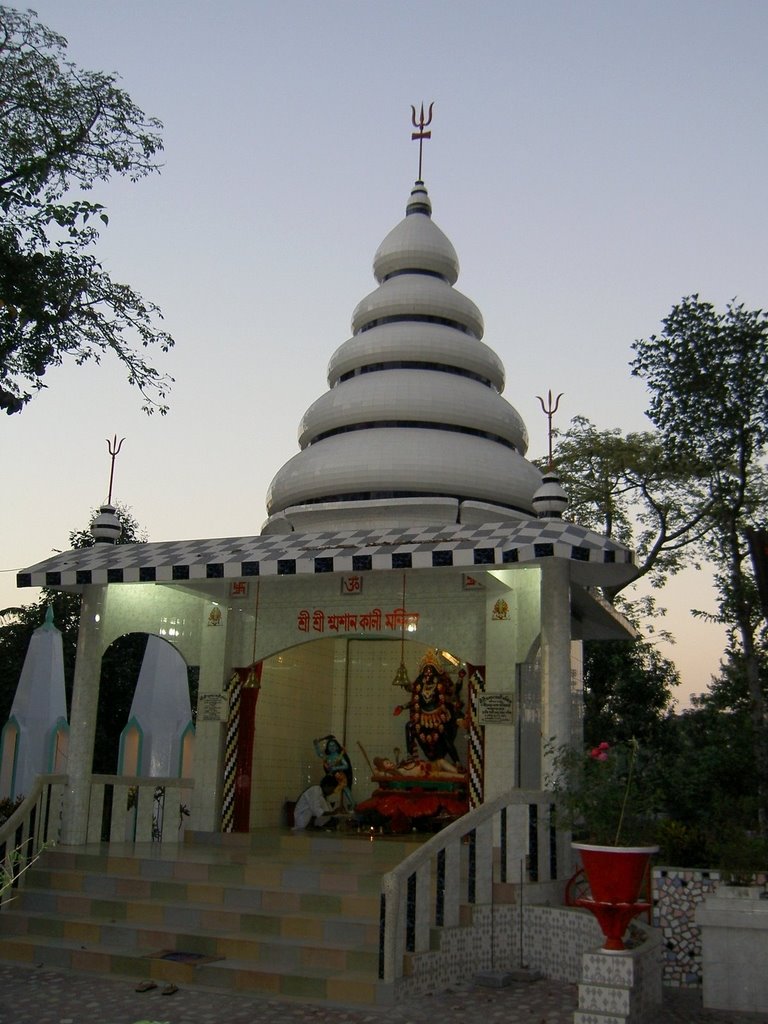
x=341 y=686
x=145 y=708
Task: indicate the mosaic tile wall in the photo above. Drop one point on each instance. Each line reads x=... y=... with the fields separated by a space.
x=676 y=894
x=620 y=988
x=553 y=940
x=288 y=717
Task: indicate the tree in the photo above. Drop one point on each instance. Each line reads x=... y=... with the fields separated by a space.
x=626 y=487
x=627 y=692
x=62 y=130
x=708 y=779
x=707 y=374
x=623 y=486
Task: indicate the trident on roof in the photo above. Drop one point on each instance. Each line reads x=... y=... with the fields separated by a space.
x=421 y=124
x=549 y=410
x=113 y=447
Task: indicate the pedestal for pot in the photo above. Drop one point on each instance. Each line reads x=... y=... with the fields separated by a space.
x=615 y=875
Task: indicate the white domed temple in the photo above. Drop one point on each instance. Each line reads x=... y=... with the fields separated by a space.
x=415 y=595
x=409 y=529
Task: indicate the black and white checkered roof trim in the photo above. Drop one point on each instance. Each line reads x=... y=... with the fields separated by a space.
x=344 y=551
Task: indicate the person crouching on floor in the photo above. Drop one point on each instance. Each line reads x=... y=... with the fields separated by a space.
x=312 y=808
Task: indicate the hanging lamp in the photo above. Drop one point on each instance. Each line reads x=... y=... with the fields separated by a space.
x=401 y=676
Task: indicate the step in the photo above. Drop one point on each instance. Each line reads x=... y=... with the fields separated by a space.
x=94 y=921
x=295 y=863
x=285 y=914
x=293 y=889
x=336 y=949
x=309 y=983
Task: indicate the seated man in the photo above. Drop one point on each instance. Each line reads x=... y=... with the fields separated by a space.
x=312 y=808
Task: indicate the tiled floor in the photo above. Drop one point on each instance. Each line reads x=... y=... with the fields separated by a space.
x=30 y=995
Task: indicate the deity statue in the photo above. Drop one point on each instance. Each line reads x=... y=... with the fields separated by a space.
x=336 y=762
x=435 y=712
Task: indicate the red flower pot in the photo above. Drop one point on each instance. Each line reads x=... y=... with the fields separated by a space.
x=615 y=875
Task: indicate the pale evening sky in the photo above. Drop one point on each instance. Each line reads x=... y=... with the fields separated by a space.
x=592 y=162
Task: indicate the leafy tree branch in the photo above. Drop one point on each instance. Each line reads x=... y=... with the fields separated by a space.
x=63 y=130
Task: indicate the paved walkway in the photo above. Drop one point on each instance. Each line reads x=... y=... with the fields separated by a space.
x=40 y=995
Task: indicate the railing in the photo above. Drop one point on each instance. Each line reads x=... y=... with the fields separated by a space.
x=134 y=809
x=31 y=827
x=121 y=809
x=509 y=839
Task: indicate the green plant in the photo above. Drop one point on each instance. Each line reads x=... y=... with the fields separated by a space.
x=742 y=858
x=682 y=845
x=603 y=795
x=12 y=867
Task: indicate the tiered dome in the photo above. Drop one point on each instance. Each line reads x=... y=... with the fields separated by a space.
x=413 y=429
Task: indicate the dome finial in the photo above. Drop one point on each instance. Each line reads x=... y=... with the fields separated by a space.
x=421 y=124
x=113 y=447
x=106 y=528
x=550 y=500
x=549 y=410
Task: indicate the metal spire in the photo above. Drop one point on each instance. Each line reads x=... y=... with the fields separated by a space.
x=113 y=447
x=421 y=124
x=549 y=410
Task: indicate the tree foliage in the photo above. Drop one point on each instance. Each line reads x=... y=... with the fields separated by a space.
x=62 y=130
x=628 y=691
x=707 y=376
x=627 y=487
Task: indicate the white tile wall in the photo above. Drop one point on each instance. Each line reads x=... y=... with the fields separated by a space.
x=334 y=686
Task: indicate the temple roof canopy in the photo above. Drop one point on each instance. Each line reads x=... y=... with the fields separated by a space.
x=595 y=560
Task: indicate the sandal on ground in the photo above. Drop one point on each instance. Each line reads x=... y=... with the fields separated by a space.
x=146 y=986
x=170 y=989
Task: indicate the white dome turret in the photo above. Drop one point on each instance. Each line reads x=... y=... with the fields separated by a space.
x=550 y=500
x=106 y=527
x=413 y=428
x=416 y=242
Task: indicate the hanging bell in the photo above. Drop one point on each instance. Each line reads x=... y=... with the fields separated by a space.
x=401 y=677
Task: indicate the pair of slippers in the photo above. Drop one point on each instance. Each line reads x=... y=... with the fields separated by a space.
x=147 y=986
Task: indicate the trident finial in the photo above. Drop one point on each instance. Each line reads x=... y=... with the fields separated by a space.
x=421 y=124
x=550 y=409
x=113 y=447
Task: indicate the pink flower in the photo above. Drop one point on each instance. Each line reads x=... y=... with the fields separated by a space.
x=600 y=753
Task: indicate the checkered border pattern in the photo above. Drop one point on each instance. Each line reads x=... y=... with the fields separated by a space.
x=346 y=551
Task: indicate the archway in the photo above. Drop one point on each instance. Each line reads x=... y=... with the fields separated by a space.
x=121 y=667
x=342 y=686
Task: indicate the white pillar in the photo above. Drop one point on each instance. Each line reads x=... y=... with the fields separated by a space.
x=500 y=647
x=82 y=724
x=555 y=656
x=209 y=734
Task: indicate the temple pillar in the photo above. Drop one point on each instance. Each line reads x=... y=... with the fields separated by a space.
x=82 y=726
x=500 y=644
x=210 y=726
x=555 y=658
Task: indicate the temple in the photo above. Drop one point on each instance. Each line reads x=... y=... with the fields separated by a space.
x=409 y=530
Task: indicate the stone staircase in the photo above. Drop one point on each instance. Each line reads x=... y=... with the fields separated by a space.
x=273 y=913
